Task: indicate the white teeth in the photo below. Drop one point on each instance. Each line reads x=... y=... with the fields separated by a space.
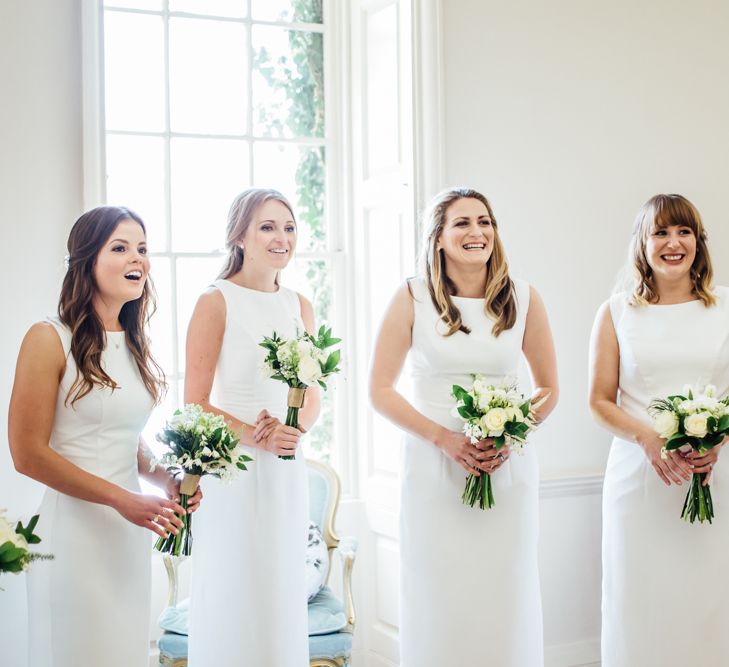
x=672 y=258
x=133 y=275
x=480 y=246
x=279 y=251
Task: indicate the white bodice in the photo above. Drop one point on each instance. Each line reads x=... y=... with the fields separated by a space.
x=100 y=432
x=240 y=386
x=662 y=348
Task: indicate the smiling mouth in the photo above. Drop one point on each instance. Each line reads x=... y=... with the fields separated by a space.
x=134 y=276
x=474 y=246
x=279 y=251
x=672 y=258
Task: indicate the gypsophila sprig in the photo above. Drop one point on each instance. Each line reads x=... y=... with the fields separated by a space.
x=200 y=443
x=300 y=362
x=694 y=419
x=497 y=411
x=15 y=553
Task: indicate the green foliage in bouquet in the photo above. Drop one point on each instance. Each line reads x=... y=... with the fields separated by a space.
x=14 y=553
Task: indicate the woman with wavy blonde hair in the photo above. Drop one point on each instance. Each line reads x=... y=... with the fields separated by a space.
x=669 y=328
x=469 y=579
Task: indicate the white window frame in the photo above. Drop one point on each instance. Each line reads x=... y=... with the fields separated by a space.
x=337 y=196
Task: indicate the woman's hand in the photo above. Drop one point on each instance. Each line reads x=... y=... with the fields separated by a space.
x=491 y=458
x=151 y=512
x=458 y=447
x=704 y=462
x=276 y=437
x=670 y=469
x=172 y=489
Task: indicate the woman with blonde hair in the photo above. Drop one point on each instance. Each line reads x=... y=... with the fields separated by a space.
x=469 y=580
x=248 y=602
x=665 y=581
x=85 y=385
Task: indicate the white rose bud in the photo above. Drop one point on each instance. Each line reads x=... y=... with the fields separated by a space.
x=493 y=421
x=665 y=423
x=309 y=371
x=695 y=425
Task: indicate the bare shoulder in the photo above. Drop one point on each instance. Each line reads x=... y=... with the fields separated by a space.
x=42 y=349
x=211 y=303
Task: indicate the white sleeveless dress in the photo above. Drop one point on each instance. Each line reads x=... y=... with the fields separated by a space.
x=469 y=579
x=248 y=602
x=665 y=581
x=91 y=605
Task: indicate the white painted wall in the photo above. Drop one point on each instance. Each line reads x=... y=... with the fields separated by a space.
x=569 y=115
x=40 y=197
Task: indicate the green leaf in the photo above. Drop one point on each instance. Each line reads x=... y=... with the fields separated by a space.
x=499 y=441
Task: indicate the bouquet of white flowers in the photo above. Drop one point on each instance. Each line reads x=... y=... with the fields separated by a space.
x=492 y=411
x=300 y=362
x=15 y=556
x=200 y=443
x=694 y=419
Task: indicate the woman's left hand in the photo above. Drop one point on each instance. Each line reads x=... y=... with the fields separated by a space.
x=265 y=424
x=704 y=462
x=491 y=459
x=172 y=489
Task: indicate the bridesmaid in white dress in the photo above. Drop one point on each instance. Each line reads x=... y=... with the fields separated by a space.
x=665 y=581
x=85 y=384
x=468 y=579
x=248 y=603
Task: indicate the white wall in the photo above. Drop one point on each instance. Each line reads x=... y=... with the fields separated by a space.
x=40 y=197
x=569 y=115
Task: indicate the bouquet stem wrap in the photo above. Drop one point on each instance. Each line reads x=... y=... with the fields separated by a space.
x=181 y=544
x=295 y=401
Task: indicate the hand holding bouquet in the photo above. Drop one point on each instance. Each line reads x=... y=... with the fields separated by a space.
x=300 y=362
x=492 y=411
x=15 y=556
x=697 y=420
x=200 y=443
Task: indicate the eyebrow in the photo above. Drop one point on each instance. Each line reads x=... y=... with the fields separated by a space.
x=274 y=222
x=466 y=217
x=127 y=242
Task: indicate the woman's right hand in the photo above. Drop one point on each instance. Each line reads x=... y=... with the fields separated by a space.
x=671 y=469
x=458 y=447
x=279 y=439
x=152 y=512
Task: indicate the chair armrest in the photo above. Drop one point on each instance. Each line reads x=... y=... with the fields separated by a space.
x=171 y=565
x=347 y=549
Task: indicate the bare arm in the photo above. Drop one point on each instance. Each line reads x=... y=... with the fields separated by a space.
x=603 y=392
x=204 y=341
x=163 y=479
x=538 y=348
x=40 y=367
x=391 y=348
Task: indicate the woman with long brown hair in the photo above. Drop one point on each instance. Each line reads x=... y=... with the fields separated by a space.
x=85 y=384
x=250 y=540
x=468 y=578
x=665 y=583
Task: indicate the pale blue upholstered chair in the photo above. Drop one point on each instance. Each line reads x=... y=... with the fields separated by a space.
x=331 y=620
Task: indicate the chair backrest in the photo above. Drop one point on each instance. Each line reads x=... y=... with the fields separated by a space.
x=324 y=490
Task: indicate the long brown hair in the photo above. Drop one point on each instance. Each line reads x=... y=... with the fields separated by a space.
x=659 y=212
x=240 y=217
x=75 y=308
x=500 y=301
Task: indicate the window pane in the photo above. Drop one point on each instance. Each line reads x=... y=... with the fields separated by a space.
x=300 y=11
x=153 y=5
x=298 y=172
x=206 y=175
x=193 y=276
x=208 y=89
x=134 y=71
x=233 y=8
x=288 y=83
x=135 y=178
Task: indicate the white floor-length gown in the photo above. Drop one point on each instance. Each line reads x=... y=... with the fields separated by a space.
x=248 y=603
x=91 y=605
x=665 y=581
x=469 y=577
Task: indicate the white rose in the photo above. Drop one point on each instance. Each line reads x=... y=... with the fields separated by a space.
x=687 y=407
x=480 y=387
x=665 y=423
x=695 y=425
x=515 y=414
x=484 y=400
x=309 y=371
x=8 y=534
x=304 y=348
x=177 y=419
x=493 y=421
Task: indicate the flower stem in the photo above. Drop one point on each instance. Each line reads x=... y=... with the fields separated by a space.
x=292 y=419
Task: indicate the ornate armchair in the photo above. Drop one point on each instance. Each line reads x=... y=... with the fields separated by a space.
x=331 y=620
